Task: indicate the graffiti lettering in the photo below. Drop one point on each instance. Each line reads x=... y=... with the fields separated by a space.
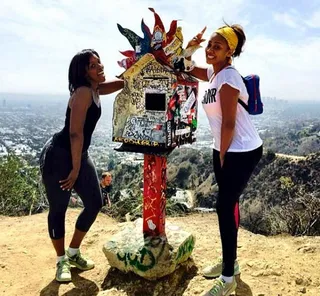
x=183 y=136
x=188 y=104
x=136 y=142
x=186 y=248
x=180 y=132
x=145 y=128
x=139 y=260
x=159 y=84
x=145 y=259
x=137 y=101
x=154 y=68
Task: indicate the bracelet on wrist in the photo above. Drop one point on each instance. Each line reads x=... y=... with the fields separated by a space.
x=189 y=65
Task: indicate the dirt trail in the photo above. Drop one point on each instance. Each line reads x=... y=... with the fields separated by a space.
x=271 y=266
x=291 y=157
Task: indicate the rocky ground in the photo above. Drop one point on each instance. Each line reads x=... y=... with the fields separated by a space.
x=271 y=266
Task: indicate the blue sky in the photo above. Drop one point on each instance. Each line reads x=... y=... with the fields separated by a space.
x=39 y=38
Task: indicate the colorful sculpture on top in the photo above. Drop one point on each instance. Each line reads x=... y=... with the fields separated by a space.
x=165 y=46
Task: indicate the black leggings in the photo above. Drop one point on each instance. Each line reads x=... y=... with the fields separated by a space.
x=55 y=165
x=232 y=178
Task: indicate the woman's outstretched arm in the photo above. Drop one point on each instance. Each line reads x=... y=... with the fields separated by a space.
x=111 y=86
x=198 y=72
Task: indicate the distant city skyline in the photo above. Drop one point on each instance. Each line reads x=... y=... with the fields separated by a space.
x=39 y=38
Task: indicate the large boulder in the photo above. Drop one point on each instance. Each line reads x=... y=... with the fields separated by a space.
x=149 y=257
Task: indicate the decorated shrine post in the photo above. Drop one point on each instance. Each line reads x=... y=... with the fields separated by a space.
x=154 y=113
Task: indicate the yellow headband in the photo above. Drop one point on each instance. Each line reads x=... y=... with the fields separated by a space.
x=231 y=37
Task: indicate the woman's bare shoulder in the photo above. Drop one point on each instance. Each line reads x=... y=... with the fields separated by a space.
x=82 y=95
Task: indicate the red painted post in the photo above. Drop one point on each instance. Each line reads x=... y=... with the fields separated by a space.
x=154 y=199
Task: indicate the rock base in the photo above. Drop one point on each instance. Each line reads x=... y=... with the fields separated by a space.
x=148 y=257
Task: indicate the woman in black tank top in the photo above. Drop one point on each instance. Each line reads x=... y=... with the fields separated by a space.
x=65 y=163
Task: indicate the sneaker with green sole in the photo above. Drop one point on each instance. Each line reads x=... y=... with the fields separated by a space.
x=222 y=288
x=215 y=270
x=80 y=262
x=63 y=273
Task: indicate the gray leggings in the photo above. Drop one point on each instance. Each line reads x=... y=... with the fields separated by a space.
x=55 y=165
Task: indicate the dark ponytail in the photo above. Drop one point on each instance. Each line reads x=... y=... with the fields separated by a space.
x=241 y=39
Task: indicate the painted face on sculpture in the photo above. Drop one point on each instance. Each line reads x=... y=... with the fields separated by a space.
x=158 y=36
x=157 y=40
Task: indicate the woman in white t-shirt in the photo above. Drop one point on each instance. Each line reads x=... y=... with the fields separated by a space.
x=237 y=145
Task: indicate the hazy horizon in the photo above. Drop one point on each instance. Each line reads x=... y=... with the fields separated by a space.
x=65 y=96
x=39 y=39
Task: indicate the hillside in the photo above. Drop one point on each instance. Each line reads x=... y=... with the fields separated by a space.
x=271 y=266
x=283 y=194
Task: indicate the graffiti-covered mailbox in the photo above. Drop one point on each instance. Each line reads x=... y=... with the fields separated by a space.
x=157 y=109
x=155 y=112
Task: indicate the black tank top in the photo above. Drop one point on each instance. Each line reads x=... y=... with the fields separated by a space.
x=62 y=138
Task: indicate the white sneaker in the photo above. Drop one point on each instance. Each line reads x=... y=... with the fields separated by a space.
x=215 y=270
x=63 y=273
x=222 y=288
x=80 y=262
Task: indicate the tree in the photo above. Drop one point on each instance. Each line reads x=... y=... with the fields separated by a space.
x=20 y=187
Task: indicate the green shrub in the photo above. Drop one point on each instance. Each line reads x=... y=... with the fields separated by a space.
x=19 y=187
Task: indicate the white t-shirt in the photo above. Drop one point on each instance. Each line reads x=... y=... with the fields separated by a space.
x=246 y=137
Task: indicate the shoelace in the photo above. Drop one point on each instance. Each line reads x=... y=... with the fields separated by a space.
x=64 y=266
x=218 y=285
x=81 y=260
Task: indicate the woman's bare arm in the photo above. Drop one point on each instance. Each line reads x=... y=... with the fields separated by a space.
x=80 y=102
x=229 y=103
x=200 y=73
x=109 y=87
